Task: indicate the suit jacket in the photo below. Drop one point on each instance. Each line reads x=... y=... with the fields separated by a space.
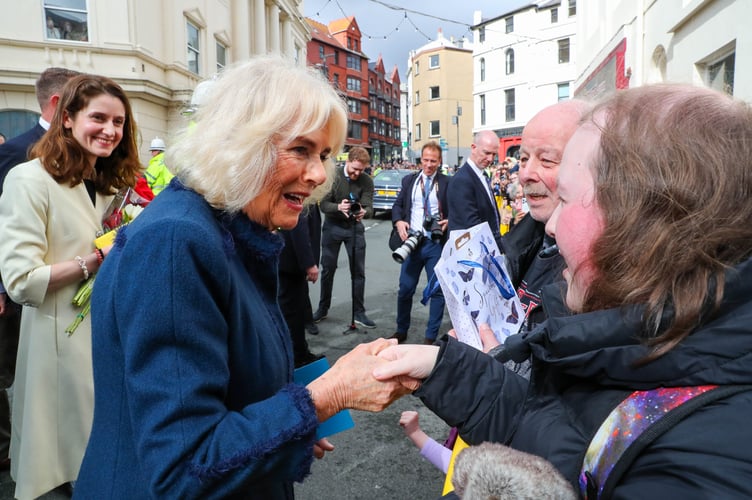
x=403 y=205
x=469 y=203
x=302 y=243
x=16 y=150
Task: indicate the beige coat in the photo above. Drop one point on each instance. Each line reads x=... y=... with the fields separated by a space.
x=42 y=223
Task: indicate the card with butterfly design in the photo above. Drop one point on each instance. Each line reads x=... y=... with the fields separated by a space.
x=476 y=286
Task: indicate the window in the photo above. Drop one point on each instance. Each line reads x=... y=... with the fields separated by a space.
x=482 y=34
x=417 y=67
x=335 y=80
x=433 y=61
x=572 y=8
x=509 y=99
x=482 y=69
x=373 y=125
x=16 y=122
x=435 y=126
x=66 y=20
x=221 y=57
x=509 y=24
x=482 y=109
x=720 y=75
x=353 y=62
x=554 y=15
x=321 y=52
x=417 y=97
x=509 y=61
x=563 y=51
x=353 y=84
x=193 y=46
x=563 y=89
x=354 y=130
x=434 y=92
x=355 y=44
x=354 y=106
x=417 y=131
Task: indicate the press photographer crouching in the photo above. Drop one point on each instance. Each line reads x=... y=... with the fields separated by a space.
x=419 y=215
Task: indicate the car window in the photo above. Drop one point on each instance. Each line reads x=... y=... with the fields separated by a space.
x=390 y=176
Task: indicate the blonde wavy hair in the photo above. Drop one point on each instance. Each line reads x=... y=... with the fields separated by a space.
x=228 y=153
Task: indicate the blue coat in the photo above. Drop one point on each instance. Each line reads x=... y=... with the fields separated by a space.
x=469 y=203
x=193 y=362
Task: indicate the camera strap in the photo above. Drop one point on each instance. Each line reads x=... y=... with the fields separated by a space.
x=427 y=194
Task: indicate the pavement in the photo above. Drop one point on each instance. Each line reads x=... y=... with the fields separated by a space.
x=374 y=460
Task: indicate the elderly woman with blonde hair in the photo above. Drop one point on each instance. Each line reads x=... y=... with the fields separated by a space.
x=193 y=367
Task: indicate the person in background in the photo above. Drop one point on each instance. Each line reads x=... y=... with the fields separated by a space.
x=672 y=319
x=48 y=87
x=157 y=175
x=421 y=207
x=470 y=198
x=342 y=224
x=51 y=209
x=298 y=264
x=193 y=367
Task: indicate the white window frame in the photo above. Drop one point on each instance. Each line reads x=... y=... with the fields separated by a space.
x=434 y=93
x=190 y=49
x=434 y=128
x=51 y=11
x=433 y=61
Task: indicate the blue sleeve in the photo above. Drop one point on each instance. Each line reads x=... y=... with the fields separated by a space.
x=171 y=292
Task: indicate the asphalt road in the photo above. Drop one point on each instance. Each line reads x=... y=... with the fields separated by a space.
x=374 y=460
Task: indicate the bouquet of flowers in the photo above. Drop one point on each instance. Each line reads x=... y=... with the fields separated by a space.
x=125 y=206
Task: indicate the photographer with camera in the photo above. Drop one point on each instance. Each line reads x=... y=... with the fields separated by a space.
x=419 y=215
x=349 y=200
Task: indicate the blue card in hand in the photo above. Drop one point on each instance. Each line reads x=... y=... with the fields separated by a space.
x=336 y=423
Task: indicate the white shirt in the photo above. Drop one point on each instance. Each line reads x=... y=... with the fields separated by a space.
x=482 y=176
x=417 y=213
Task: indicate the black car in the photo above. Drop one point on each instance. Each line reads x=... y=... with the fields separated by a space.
x=386 y=186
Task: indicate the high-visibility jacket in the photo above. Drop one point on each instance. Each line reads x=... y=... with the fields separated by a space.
x=157 y=175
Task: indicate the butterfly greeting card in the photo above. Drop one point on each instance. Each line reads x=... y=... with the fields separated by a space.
x=476 y=286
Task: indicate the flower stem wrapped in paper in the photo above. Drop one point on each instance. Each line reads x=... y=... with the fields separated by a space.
x=125 y=206
x=476 y=286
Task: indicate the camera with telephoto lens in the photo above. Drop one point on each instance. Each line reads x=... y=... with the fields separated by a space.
x=355 y=207
x=431 y=224
x=414 y=239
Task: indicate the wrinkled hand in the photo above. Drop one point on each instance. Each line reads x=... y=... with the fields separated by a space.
x=321 y=447
x=408 y=362
x=350 y=382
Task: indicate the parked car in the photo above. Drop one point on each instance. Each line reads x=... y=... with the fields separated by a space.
x=386 y=186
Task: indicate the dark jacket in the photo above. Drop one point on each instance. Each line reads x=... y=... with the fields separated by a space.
x=469 y=203
x=193 y=363
x=302 y=243
x=16 y=150
x=583 y=366
x=403 y=205
x=361 y=189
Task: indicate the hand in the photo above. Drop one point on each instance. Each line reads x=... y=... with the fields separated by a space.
x=344 y=207
x=321 y=447
x=312 y=274
x=106 y=250
x=402 y=229
x=444 y=223
x=409 y=422
x=3 y=304
x=350 y=382
x=413 y=361
x=359 y=216
x=519 y=216
x=487 y=337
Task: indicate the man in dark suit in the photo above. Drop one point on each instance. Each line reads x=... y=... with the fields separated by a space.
x=299 y=264
x=471 y=199
x=421 y=208
x=48 y=87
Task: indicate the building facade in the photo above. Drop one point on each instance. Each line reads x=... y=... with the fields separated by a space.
x=157 y=51
x=384 y=132
x=628 y=44
x=523 y=61
x=439 y=89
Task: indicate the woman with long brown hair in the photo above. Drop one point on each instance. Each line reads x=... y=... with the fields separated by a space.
x=50 y=211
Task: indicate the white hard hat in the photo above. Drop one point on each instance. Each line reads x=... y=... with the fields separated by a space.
x=157 y=144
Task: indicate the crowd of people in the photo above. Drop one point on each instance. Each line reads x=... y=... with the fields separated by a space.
x=633 y=275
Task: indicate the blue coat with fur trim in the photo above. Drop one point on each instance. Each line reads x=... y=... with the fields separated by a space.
x=193 y=363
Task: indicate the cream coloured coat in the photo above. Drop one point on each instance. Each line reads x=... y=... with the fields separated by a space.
x=43 y=223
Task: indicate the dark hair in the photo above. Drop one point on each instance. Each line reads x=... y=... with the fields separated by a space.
x=51 y=82
x=673 y=183
x=431 y=145
x=65 y=159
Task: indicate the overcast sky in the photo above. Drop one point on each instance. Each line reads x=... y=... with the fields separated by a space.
x=388 y=32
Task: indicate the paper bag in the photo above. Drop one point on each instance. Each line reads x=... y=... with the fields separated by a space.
x=476 y=286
